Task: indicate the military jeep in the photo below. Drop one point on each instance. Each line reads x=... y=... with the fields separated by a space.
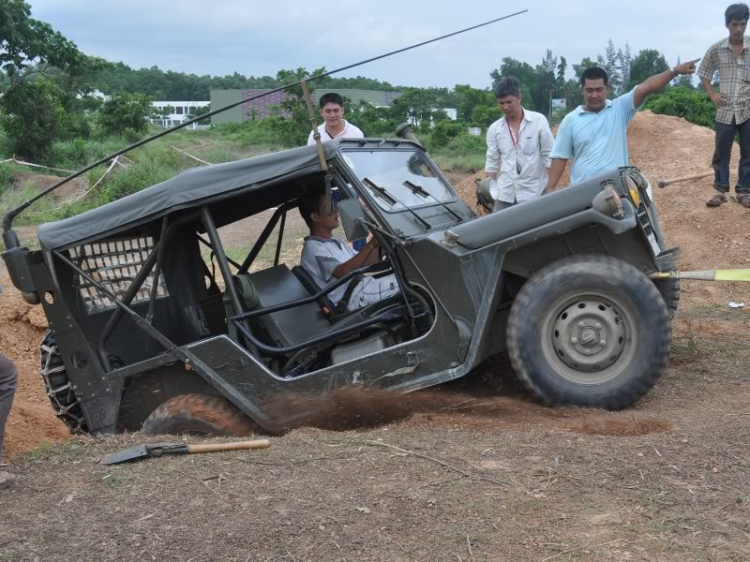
x=146 y=332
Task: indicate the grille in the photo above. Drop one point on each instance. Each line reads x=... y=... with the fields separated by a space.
x=115 y=264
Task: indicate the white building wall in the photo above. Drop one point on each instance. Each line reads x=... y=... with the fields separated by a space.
x=180 y=113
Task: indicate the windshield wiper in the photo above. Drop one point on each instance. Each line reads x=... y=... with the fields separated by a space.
x=382 y=192
x=419 y=190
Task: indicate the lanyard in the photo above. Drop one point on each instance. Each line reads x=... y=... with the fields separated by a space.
x=515 y=140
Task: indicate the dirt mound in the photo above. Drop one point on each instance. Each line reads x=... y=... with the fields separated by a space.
x=32 y=420
x=665 y=147
x=40 y=182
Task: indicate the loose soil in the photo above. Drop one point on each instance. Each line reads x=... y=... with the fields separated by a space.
x=475 y=470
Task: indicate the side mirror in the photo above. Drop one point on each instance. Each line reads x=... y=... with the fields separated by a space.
x=352 y=214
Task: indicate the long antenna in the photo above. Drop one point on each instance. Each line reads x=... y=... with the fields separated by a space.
x=11 y=241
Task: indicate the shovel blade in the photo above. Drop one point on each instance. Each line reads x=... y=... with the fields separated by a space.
x=136 y=453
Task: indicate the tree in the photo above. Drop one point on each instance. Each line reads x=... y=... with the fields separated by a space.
x=521 y=70
x=32 y=115
x=28 y=45
x=684 y=81
x=525 y=73
x=647 y=63
x=561 y=69
x=624 y=61
x=610 y=64
x=34 y=59
x=446 y=130
x=582 y=66
x=198 y=111
x=545 y=82
x=125 y=114
x=295 y=130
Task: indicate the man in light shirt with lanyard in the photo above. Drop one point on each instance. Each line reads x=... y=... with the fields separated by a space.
x=334 y=125
x=518 y=149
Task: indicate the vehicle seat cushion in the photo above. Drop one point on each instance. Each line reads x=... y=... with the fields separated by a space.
x=278 y=285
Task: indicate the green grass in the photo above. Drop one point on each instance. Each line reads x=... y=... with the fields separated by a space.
x=12 y=198
x=459 y=162
x=158 y=161
x=64 y=452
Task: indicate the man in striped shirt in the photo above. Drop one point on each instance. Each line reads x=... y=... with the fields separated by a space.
x=731 y=58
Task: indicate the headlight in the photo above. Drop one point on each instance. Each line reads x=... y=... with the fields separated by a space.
x=608 y=202
x=635 y=195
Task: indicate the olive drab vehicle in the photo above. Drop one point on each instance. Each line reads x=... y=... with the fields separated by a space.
x=145 y=332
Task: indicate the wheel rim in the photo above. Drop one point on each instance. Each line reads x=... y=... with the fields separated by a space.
x=588 y=337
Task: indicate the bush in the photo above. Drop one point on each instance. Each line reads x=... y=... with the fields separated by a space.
x=464 y=163
x=74 y=154
x=32 y=117
x=271 y=131
x=125 y=114
x=443 y=132
x=692 y=105
x=468 y=143
x=464 y=153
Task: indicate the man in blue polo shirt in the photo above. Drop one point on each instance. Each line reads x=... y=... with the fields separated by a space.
x=594 y=135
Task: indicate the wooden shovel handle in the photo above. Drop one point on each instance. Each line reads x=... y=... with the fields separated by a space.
x=665 y=183
x=237 y=446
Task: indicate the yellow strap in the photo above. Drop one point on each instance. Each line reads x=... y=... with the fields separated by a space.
x=732 y=275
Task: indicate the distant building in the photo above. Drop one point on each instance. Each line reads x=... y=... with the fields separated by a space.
x=266 y=105
x=450 y=112
x=175 y=112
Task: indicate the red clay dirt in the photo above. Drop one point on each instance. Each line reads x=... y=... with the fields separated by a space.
x=32 y=421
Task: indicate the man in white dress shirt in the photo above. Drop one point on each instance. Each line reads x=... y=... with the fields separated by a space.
x=518 y=149
x=334 y=125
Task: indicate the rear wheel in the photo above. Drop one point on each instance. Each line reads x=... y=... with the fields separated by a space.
x=199 y=414
x=59 y=389
x=589 y=331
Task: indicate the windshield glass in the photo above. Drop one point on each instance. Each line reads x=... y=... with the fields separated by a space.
x=398 y=179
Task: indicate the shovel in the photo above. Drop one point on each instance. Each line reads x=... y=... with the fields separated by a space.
x=160 y=449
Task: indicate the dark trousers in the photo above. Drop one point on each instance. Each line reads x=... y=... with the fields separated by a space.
x=8 y=381
x=723 y=154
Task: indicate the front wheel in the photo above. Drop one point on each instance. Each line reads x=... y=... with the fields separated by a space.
x=589 y=331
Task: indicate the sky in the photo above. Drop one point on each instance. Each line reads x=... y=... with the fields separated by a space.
x=258 y=38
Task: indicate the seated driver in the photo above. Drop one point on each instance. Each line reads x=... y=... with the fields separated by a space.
x=327 y=258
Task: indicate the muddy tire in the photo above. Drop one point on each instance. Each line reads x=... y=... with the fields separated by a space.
x=589 y=331
x=199 y=414
x=57 y=384
x=670 y=292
